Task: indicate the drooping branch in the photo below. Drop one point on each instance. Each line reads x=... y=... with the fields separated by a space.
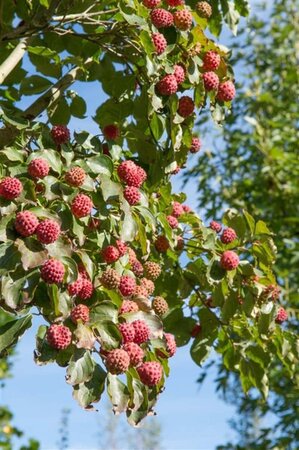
x=13 y=59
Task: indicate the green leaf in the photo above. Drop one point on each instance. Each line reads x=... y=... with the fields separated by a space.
x=34 y=84
x=108 y=334
x=90 y=392
x=81 y=367
x=118 y=393
x=100 y=164
x=12 y=331
x=10 y=257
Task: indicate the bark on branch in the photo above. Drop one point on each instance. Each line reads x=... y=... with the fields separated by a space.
x=13 y=59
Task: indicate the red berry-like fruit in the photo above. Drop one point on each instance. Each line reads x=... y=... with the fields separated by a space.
x=75 y=287
x=204 y=10
x=121 y=247
x=110 y=254
x=131 y=174
x=175 y=3
x=210 y=81
x=170 y=344
x=179 y=73
x=195 y=145
x=229 y=260
x=162 y=244
x=226 y=91
x=52 y=271
x=127 y=331
x=127 y=285
x=80 y=312
x=186 y=208
x=180 y=244
x=151 y=3
x=215 y=226
x=105 y=149
x=150 y=373
x=48 y=231
x=86 y=290
x=59 y=336
x=140 y=291
x=38 y=168
x=211 y=60
x=152 y=270
x=142 y=331
x=60 y=134
x=148 y=285
x=196 y=330
x=110 y=279
x=228 y=236
x=271 y=291
x=177 y=209
x=10 y=188
x=111 y=132
x=159 y=42
x=81 y=205
x=167 y=85
x=173 y=221
x=183 y=19
x=281 y=316
x=26 y=223
x=161 y=18
x=137 y=268
x=132 y=195
x=132 y=256
x=75 y=176
x=135 y=353
x=117 y=361
x=128 y=306
x=160 y=306
x=186 y=106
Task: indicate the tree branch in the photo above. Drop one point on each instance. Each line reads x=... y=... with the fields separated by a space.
x=13 y=59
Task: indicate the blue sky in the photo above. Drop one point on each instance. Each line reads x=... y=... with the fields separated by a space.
x=191 y=418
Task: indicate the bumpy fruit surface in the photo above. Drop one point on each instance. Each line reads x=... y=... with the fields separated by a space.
x=162 y=244
x=152 y=270
x=127 y=331
x=59 y=336
x=128 y=306
x=210 y=81
x=117 y=361
x=187 y=208
x=132 y=195
x=110 y=254
x=226 y=91
x=151 y=3
x=127 y=285
x=110 y=279
x=174 y=3
x=170 y=344
x=75 y=176
x=135 y=353
x=215 y=226
x=26 y=223
x=167 y=85
x=111 y=132
x=81 y=205
x=52 y=271
x=186 y=106
x=281 y=316
x=75 y=287
x=121 y=247
x=10 y=188
x=160 y=306
x=177 y=209
x=80 y=312
x=140 y=291
x=38 y=168
x=142 y=331
x=179 y=73
x=211 y=60
x=131 y=174
x=180 y=244
x=204 y=9
x=228 y=236
x=86 y=290
x=271 y=291
x=132 y=256
x=159 y=42
x=137 y=268
x=183 y=19
x=229 y=260
x=150 y=373
x=48 y=231
x=161 y=18
x=173 y=221
x=195 y=146
x=148 y=285
x=60 y=134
